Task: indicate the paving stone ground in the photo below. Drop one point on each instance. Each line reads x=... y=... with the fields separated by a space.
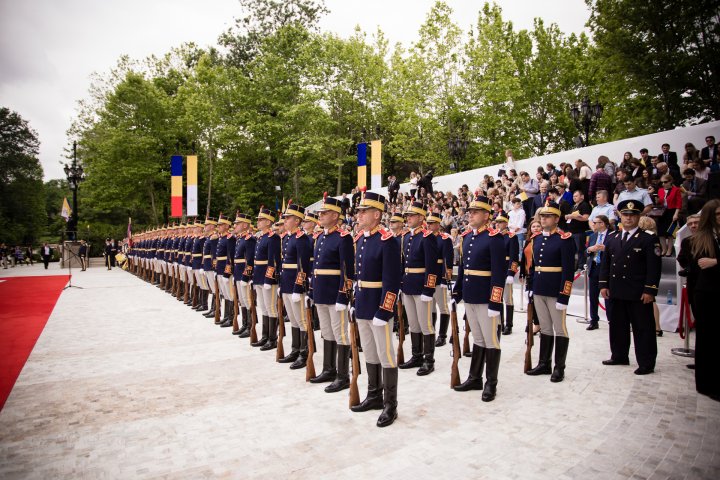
x=126 y=382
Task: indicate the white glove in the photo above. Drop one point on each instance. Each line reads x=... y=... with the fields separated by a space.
x=560 y=306
x=425 y=298
x=509 y=280
x=399 y=293
x=493 y=313
x=296 y=297
x=379 y=323
x=309 y=302
x=351 y=311
x=339 y=307
x=267 y=286
x=243 y=283
x=452 y=301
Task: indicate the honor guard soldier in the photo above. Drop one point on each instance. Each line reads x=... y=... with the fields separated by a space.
x=267 y=261
x=221 y=261
x=228 y=282
x=397 y=224
x=420 y=255
x=445 y=248
x=199 y=262
x=512 y=255
x=296 y=253
x=550 y=282
x=208 y=253
x=195 y=261
x=629 y=277
x=160 y=255
x=378 y=273
x=334 y=267
x=187 y=261
x=480 y=281
x=180 y=260
x=310 y=224
x=243 y=262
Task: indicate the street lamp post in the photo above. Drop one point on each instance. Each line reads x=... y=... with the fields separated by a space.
x=457 y=146
x=586 y=116
x=281 y=176
x=75 y=175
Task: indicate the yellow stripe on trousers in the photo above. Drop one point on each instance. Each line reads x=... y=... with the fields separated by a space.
x=342 y=327
x=273 y=299
x=496 y=344
x=387 y=345
x=564 y=325
x=430 y=307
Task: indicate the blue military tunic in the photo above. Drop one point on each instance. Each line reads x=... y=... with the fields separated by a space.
x=378 y=272
x=267 y=259
x=221 y=254
x=334 y=263
x=632 y=269
x=420 y=263
x=482 y=269
x=296 y=254
x=512 y=250
x=208 y=250
x=197 y=252
x=553 y=266
x=244 y=257
x=445 y=247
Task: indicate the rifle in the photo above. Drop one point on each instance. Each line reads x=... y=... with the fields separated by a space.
x=281 y=328
x=354 y=391
x=401 y=332
x=528 y=348
x=466 y=340
x=253 y=315
x=236 y=307
x=310 y=367
x=454 y=372
x=194 y=293
x=187 y=283
x=217 y=300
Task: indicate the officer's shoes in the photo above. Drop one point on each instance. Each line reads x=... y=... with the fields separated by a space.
x=414 y=362
x=426 y=369
x=643 y=371
x=324 y=377
x=616 y=362
x=440 y=341
x=388 y=415
x=507 y=331
x=269 y=345
x=470 y=384
x=374 y=402
x=339 y=384
x=541 y=369
x=592 y=326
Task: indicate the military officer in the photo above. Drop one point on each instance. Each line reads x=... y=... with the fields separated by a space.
x=629 y=277
x=209 y=249
x=267 y=261
x=445 y=248
x=378 y=273
x=180 y=261
x=244 y=260
x=480 y=282
x=512 y=253
x=420 y=255
x=221 y=261
x=550 y=282
x=195 y=266
x=187 y=260
x=334 y=267
x=296 y=253
x=397 y=224
x=310 y=224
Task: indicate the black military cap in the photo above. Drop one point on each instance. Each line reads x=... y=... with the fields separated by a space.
x=630 y=207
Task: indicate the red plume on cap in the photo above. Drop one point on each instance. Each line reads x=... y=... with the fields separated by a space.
x=325 y=195
x=289 y=201
x=363 y=189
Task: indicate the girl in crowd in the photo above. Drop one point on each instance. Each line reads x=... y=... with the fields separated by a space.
x=670 y=198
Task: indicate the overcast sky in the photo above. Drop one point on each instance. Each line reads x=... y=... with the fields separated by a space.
x=49 y=48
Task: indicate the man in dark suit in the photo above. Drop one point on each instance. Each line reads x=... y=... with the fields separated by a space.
x=108 y=253
x=393 y=188
x=695 y=191
x=709 y=154
x=594 y=259
x=539 y=200
x=669 y=157
x=629 y=278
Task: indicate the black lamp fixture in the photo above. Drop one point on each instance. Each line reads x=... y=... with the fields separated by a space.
x=457 y=146
x=586 y=117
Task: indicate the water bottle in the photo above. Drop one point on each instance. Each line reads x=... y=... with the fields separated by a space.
x=669 y=297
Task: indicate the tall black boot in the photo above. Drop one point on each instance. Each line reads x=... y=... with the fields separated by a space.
x=509 y=313
x=474 y=380
x=211 y=312
x=228 y=318
x=442 y=333
x=374 y=399
x=245 y=328
x=417 y=347
x=428 y=365
x=329 y=371
x=434 y=317
x=342 y=380
x=546 y=348
x=294 y=347
x=389 y=413
x=302 y=357
x=272 y=335
x=206 y=295
x=492 y=365
x=561 y=348
x=265 y=328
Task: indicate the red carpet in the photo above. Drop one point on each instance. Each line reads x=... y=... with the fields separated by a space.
x=25 y=306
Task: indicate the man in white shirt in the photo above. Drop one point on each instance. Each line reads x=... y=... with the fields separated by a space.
x=631 y=192
x=516 y=221
x=602 y=208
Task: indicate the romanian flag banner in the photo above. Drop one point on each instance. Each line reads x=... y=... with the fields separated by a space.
x=191 y=207
x=362 y=165
x=376 y=164
x=176 y=196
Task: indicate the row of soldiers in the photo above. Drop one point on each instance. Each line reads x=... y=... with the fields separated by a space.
x=358 y=284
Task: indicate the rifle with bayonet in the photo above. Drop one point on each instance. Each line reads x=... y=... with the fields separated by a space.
x=401 y=332
x=454 y=372
x=281 y=328
x=253 y=315
x=530 y=340
x=354 y=391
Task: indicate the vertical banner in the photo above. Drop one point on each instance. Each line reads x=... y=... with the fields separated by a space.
x=176 y=196
x=191 y=206
x=376 y=164
x=362 y=165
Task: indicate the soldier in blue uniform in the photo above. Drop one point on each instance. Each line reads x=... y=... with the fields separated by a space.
x=187 y=259
x=480 y=281
x=296 y=253
x=243 y=262
x=196 y=254
x=550 y=282
x=228 y=283
x=334 y=266
x=378 y=273
x=445 y=248
x=420 y=255
x=200 y=248
x=629 y=277
x=267 y=261
x=220 y=261
x=512 y=254
x=397 y=225
x=208 y=255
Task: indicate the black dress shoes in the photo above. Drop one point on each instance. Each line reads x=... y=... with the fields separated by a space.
x=592 y=326
x=643 y=371
x=616 y=362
